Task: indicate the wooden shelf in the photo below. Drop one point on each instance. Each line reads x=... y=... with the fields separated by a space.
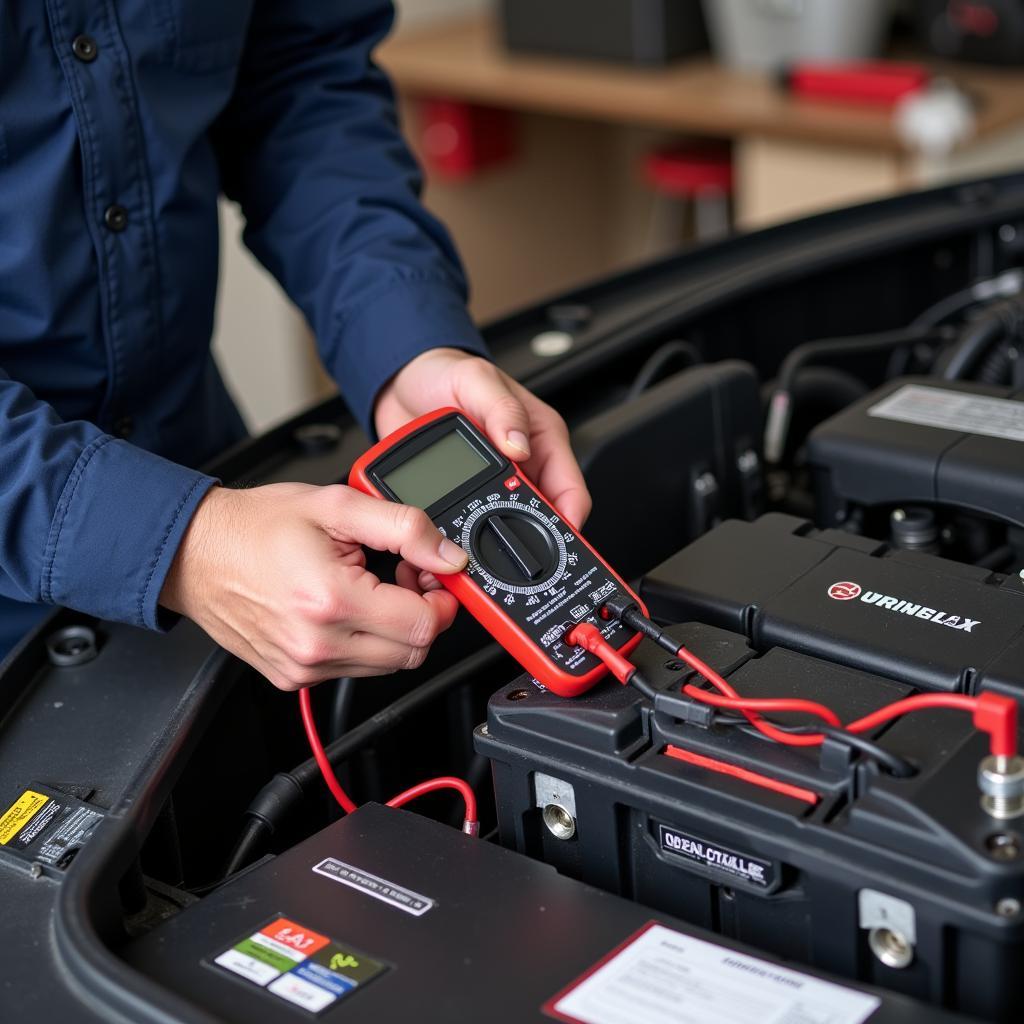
x=464 y=59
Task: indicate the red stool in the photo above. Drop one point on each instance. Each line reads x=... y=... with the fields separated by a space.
x=684 y=176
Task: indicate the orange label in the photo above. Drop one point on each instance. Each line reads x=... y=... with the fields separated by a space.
x=288 y=933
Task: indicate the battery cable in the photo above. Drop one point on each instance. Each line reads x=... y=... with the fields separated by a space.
x=993 y=714
x=471 y=822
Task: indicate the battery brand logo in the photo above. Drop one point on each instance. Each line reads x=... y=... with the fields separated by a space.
x=719 y=858
x=847 y=591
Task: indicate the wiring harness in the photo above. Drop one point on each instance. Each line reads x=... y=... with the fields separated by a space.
x=992 y=714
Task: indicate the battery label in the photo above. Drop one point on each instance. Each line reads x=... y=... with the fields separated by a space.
x=665 y=977
x=19 y=814
x=298 y=965
x=47 y=827
x=718 y=858
x=953 y=410
x=372 y=885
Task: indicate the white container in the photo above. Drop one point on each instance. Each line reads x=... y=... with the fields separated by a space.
x=765 y=35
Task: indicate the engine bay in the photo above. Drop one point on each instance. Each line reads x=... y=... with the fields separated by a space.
x=806 y=453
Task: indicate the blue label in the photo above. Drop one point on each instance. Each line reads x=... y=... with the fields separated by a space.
x=315 y=974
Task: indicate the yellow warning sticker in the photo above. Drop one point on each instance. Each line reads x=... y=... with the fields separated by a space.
x=19 y=814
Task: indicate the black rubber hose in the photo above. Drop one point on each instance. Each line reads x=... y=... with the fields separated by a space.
x=780 y=409
x=654 y=366
x=977 y=336
x=279 y=797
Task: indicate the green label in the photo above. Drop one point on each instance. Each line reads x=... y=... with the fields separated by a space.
x=267 y=956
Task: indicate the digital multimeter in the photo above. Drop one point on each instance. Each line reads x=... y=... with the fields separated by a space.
x=531 y=577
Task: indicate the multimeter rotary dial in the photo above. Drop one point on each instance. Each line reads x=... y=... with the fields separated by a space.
x=514 y=547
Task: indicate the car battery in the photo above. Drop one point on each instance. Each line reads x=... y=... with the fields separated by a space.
x=387 y=916
x=922 y=440
x=806 y=852
x=906 y=615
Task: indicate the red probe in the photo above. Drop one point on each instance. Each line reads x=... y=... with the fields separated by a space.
x=471 y=822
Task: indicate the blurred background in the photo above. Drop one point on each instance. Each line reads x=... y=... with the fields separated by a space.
x=564 y=140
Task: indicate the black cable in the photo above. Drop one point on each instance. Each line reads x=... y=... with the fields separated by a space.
x=341 y=706
x=780 y=410
x=626 y=610
x=892 y=763
x=654 y=366
x=999 y=320
x=278 y=798
x=1002 y=285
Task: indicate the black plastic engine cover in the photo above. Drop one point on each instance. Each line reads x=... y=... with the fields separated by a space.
x=919 y=439
x=916 y=618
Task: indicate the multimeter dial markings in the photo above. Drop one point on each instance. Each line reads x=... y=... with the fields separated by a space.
x=514 y=547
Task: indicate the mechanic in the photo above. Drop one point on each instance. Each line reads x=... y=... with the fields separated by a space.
x=120 y=123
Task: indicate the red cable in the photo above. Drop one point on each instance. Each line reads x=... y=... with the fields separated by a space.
x=470 y=825
x=992 y=713
x=320 y=755
x=431 y=786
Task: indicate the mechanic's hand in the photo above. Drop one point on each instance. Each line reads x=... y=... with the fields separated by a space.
x=277 y=575
x=522 y=427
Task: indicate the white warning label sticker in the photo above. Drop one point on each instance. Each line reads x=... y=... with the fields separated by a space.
x=953 y=410
x=665 y=977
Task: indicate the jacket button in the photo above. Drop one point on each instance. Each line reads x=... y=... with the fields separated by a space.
x=124 y=426
x=116 y=217
x=85 y=49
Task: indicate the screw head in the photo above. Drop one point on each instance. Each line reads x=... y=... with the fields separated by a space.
x=891 y=947
x=1008 y=907
x=561 y=824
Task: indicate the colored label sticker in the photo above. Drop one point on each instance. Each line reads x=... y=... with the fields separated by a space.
x=317 y=974
x=352 y=965
x=301 y=992
x=247 y=966
x=20 y=813
x=299 y=965
x=293 y=935
x=274 y=959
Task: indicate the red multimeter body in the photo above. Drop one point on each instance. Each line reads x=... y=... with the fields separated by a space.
x=531 y=576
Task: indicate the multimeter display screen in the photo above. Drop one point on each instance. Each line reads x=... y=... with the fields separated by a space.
x=435 y=471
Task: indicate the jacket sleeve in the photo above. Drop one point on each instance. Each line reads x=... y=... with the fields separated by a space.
x=86 y=520
x=310 y=147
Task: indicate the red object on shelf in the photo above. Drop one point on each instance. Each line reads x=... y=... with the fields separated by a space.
x=877 y=83
x=459 y=140
x=689 y=170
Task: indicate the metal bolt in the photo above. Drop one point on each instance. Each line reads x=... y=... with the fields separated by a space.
x=561 y=824
x=35 y=870
x=1021 y=575
x=518 y=695
x=674 y=665
x=891 y=947
x=73 y=645
x=549 y=344
x=1003 y=846
x=1001 y=781
x=1008 y=907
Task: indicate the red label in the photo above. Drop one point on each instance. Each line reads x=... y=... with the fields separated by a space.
x=512 y=483
x=288 y=933
x=844 y=591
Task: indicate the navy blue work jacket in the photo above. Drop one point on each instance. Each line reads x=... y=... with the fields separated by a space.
x=120 y=123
